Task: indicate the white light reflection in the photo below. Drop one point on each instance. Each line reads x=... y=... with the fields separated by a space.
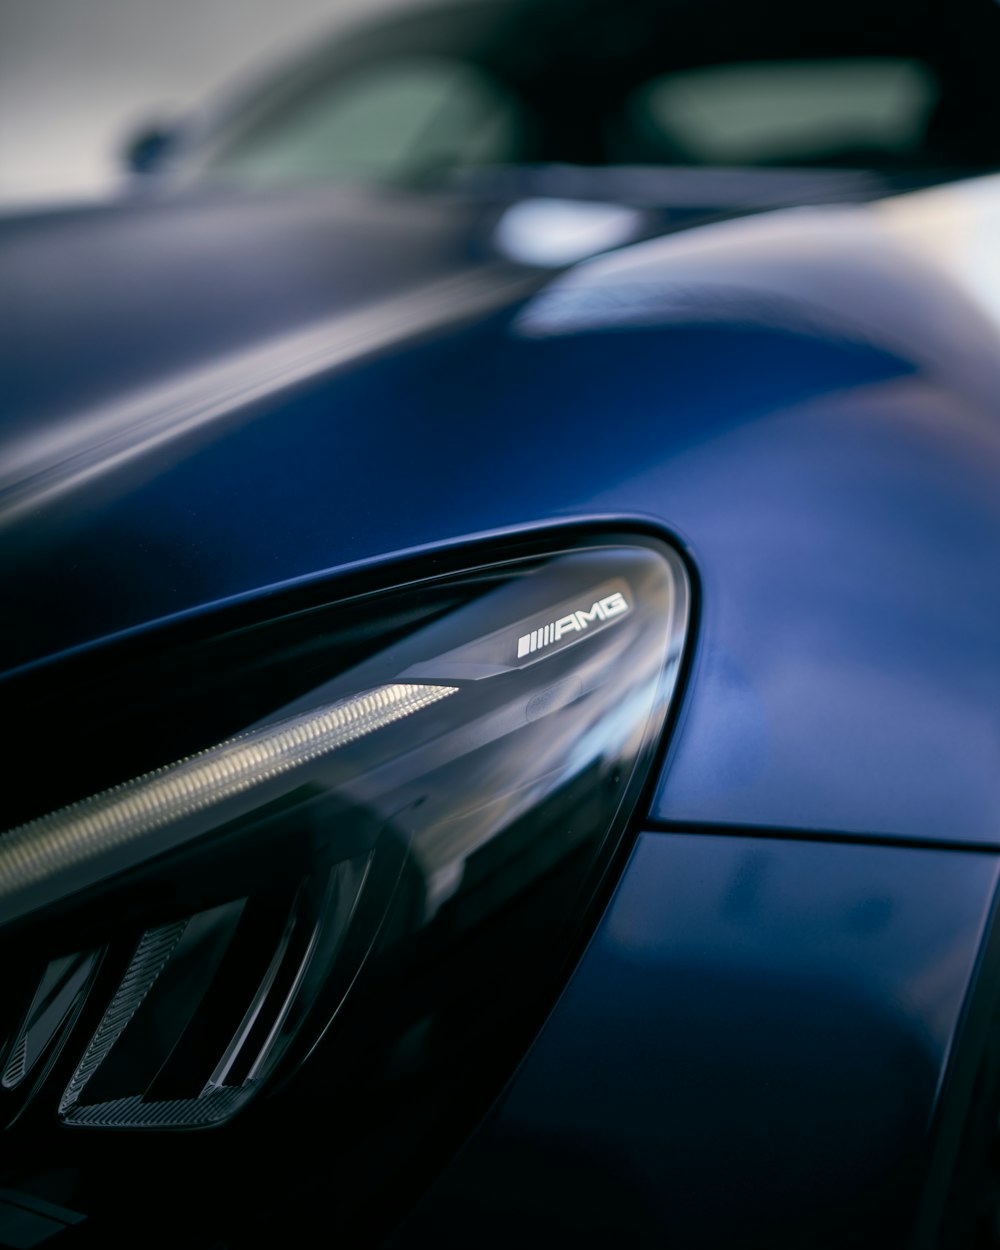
x=554 y=232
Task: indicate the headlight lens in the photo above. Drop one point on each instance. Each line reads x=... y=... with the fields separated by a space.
x=401 y=845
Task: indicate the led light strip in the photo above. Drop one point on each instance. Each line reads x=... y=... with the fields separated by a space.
x=70 y=837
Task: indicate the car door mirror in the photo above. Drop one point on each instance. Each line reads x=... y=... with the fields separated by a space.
x=144 y=152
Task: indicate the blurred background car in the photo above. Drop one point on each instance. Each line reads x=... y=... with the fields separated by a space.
x=441 y=91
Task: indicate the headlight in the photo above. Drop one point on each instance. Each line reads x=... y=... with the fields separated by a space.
x=391 y=848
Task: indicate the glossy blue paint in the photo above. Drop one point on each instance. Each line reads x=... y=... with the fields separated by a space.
x=807 y=400
x=107 y=300
x=748 y=1054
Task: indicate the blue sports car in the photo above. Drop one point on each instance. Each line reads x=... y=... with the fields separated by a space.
x=500 y=532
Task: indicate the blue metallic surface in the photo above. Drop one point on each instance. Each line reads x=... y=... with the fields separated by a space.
x=748 y=1055
x=806 y=399
x=128 y=293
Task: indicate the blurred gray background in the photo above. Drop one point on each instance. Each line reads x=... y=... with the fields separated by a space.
x=78 y=77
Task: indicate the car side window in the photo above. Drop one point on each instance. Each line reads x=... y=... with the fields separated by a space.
x=789 y=112
x=398 y=121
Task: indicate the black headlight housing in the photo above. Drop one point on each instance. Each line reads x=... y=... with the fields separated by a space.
x=313 y=867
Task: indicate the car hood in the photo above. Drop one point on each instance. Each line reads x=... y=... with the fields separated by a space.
x=154 y=339
x=103 y=300
x=805 y=399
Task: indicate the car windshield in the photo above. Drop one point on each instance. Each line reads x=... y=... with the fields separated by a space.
x=437 y=92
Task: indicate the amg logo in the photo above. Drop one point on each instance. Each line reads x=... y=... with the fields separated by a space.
x=603 y=610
